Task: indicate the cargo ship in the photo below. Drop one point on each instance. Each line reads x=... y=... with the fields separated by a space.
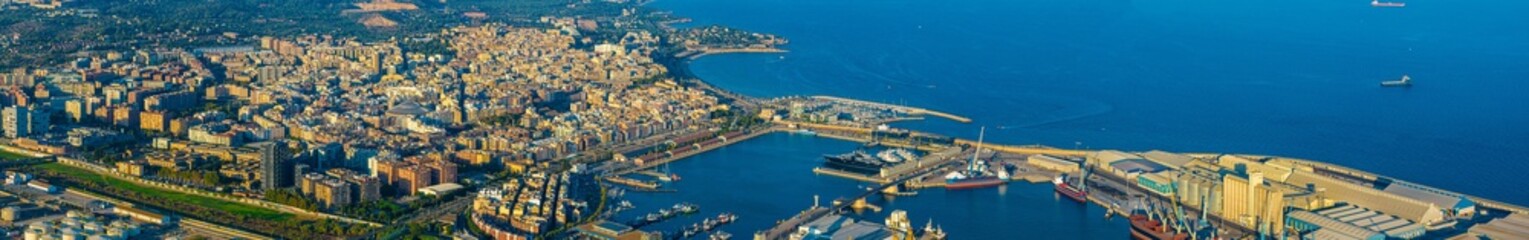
x=855 y=162
x=1378 y=3
x=1068 y=190
x=1146 y=228
x=975 y=175
x=1406 y=81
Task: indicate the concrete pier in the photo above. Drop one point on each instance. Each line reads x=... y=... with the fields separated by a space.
x=899 y=108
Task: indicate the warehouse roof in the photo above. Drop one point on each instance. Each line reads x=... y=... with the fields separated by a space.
x=1430 y=195
x=1339 y=227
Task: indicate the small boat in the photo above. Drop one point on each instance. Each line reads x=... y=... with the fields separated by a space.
x=685 y=208
x=720 y=235
x=1378 y=3
x=889 y=157
x=1406 y=81
x=727 y=217
x=906 y=154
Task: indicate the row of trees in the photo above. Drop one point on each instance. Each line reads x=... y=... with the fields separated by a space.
x=206 y=178
x=291 y=197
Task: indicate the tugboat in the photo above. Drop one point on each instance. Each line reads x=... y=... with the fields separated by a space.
x=975 y=175
x=1406 y=81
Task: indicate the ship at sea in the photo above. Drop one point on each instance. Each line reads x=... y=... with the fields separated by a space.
x=1076 y=193
x=1406 y=81
x=855 y=162
x=1378 y=3
x=976 y=174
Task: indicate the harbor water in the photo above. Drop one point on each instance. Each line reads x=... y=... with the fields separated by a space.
x=770 y=178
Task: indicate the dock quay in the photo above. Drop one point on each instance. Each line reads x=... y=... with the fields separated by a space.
x=899 y=108
x=1125 y=180
x=632 y=182
x=784 y=227
x=697 y=148
x=656 y=175
x=1026 y=149
x=889 y=173
x=849 y=133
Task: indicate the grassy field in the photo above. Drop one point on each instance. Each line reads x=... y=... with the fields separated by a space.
x=232 y=207
x=8 y=155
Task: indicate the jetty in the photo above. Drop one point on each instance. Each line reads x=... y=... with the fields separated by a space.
x=899 y=108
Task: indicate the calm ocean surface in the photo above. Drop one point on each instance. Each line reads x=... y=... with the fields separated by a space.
x=1294 y=78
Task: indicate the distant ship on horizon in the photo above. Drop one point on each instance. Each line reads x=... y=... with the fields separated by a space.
x=1378 y=3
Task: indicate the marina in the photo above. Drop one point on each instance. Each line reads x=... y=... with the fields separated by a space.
x=705 y=226
x=663 y=214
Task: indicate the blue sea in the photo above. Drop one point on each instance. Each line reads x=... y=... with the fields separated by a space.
x=1295 y=78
